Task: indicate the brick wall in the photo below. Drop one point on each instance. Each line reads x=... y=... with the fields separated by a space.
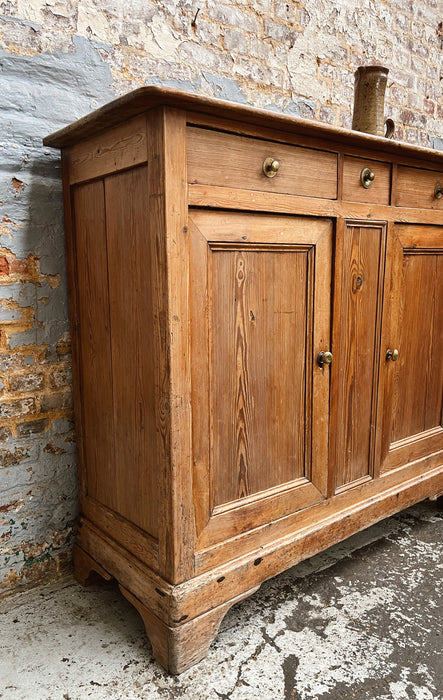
x=59 y=59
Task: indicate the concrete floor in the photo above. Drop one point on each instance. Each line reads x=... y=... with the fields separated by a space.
x=362 y=620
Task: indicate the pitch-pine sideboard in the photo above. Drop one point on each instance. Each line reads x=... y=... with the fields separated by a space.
x=256 y=307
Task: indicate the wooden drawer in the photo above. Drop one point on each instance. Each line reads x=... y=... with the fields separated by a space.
x=226 y=160
x=416 y=188
x=353 y=191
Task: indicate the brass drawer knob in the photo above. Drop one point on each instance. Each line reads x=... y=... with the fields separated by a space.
x=438 y=192
x=367 y=177
x=271 y=167
x=392 y=355
x=324 y=358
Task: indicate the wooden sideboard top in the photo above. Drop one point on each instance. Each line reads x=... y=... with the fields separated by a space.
x=145 y=98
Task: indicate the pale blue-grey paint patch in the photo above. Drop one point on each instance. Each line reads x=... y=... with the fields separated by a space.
x=23 y=22
x=225 y=88
x=186 y=85
x=23 y=294
x=292 y=108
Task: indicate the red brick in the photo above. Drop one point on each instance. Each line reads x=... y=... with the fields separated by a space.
x=429 y=107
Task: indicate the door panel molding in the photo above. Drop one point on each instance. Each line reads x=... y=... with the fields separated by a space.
x=411 y=391
x=246 y=289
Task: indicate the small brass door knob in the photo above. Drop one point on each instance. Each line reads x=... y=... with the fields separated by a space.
x=367 y=177
x=324 y=358
x=438 y=191
x=392 y=355
x=271 y=167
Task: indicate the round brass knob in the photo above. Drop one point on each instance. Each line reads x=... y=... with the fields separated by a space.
x=271 y=167
x=438 y=191
x=324 y=358
x=392 y=355
x=367 y=177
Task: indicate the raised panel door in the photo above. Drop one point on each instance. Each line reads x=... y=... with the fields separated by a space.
x=411 y=387
x=260 y=313
x=358 y=312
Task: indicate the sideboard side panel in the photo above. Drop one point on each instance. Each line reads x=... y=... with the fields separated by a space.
x=134 y=487
x=108 y=260
x=94 y=340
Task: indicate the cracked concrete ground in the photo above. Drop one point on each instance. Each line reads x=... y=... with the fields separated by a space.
x=361 y=620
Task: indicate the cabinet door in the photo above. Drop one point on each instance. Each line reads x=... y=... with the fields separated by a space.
x=260 y=314
x=357 y=309
x=411 y=388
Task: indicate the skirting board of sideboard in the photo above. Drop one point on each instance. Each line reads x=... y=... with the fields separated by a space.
x=182 y=620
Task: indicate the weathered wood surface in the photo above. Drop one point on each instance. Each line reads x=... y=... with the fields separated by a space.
x=214 y=451
x=146 y=98
x=302 y=171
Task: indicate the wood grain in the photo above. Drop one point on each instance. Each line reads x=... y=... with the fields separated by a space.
x=413 y=386
x=353 y=191
x=122 y=147
x=167 y=197
x=357 y=360
x=133 y=538
x=148 y=98
x=255 y=401
x=218 y=583
x=74 y=324
x=214 y=451
x=177 y=648
x=134 y=482
x=95 y=340
x=418 y=479
x=226 y=198
x=416 y=188
x=419 y=387
x=345 y=143
x=239 y=159
x=258 y=387
x=85 y=567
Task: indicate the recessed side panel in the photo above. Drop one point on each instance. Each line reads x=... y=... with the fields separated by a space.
x=94 y=341
x=133 y=491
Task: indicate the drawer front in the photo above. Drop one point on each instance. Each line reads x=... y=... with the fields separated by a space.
x=419 y=188
x=225 y=160
x=379 y=189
